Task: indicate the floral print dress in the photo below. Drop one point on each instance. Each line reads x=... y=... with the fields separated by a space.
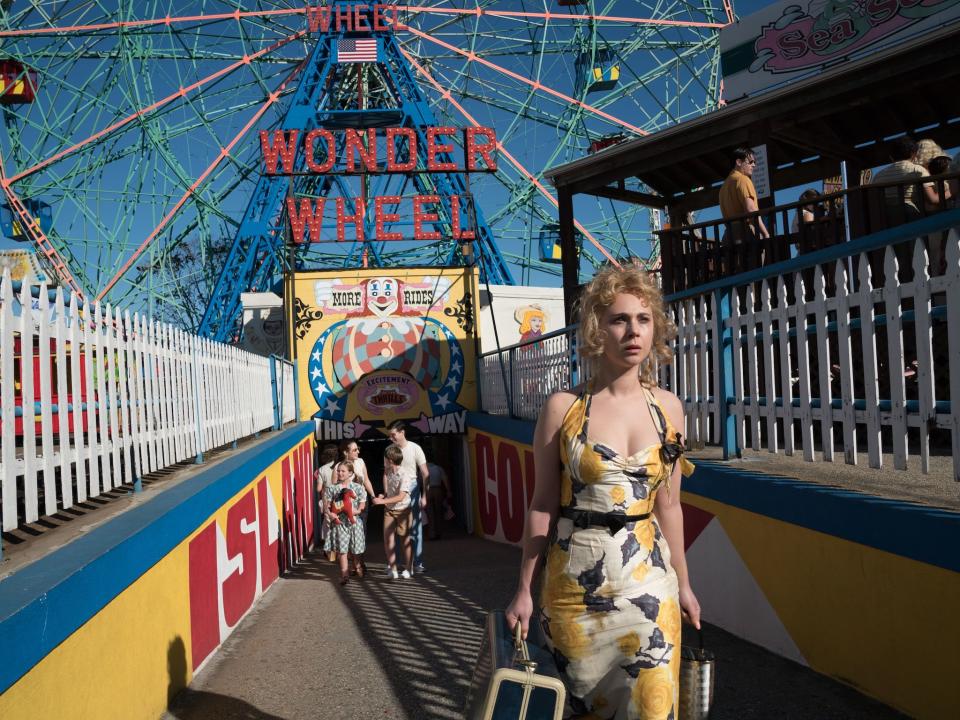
x=611 y=613
x=345 y=538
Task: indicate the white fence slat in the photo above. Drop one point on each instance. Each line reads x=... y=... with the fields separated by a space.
x=868 y=342
x=111 y=381
x=93 y=399
x=151 y=397
x=704 y=369
x=103 y=401
x=786 y=369
x=163 y=378
x=45 y=372
x=63 y=399
x=821 y=317
x=769 y=388
x=753 y=380
x=124 y=395
x=736 y=335
x=924 y=335
x=716 y=339
x=893 y=307
x=846 y=365
x=134 y=381
x=30 y=495
x=80 y=410
x=173 y=409
x=682 y=363
x=953 y=340
x=189 y=437
x=803 y=366
x=8 y=464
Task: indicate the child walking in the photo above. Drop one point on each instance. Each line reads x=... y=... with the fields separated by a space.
x=344 y=500
x=398 y=518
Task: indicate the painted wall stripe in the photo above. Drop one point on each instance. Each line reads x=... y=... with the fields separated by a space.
x=43 y=604
x=926 y=534
x=520 y=431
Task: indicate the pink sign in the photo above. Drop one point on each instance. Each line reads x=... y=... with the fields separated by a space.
x=832 y=29
x=392 y=392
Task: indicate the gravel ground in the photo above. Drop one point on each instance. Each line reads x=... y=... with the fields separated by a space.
x=405 y=649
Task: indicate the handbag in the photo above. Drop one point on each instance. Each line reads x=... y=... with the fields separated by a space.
x=697 y=678
x=514 y=679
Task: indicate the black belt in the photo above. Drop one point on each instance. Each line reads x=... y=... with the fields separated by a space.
x=612 y=521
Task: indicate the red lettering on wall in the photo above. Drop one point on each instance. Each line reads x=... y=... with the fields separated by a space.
x=510 y=492
x=204 y=595
x=269 y=551
x=486 y=501
x=240 y=587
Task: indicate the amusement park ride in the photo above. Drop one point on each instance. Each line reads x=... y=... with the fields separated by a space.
x=136 y=139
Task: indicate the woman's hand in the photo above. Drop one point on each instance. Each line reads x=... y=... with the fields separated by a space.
x=378 y=500
x=520 y=610
x=690 y=606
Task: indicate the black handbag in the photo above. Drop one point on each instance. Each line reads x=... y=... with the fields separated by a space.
x=514 y=679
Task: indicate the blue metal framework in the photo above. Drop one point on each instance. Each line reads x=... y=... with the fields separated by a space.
x=259 y=253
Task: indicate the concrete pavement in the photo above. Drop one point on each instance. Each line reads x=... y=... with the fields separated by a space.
x=405 y=649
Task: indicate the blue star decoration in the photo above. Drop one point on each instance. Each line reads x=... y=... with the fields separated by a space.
x=443 y=401
x=328 y=404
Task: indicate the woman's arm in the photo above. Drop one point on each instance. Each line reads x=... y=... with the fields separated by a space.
x=543 y=506
x=670 y=516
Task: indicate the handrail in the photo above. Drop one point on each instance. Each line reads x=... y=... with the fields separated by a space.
x=532 y=341
x=874 y=241
x=825 y=198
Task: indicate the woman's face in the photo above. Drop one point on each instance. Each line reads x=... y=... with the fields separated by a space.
x=343 y=473
x=629 y=326
x=536 y=323
x=352 y=452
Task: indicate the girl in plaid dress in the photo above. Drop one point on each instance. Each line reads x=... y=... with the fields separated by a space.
x=345 y=537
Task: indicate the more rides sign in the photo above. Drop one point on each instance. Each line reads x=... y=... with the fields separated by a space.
x=378 y=345
x=789 y=40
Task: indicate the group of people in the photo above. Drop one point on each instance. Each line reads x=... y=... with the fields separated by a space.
x=412 y=489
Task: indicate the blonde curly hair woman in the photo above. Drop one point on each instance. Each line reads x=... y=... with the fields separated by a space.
x=606 y=512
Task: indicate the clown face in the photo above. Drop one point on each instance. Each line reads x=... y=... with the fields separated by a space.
x=382 y=296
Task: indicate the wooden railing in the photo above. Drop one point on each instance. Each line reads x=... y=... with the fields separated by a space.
x=692 y=255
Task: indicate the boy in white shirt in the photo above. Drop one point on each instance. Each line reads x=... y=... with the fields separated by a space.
x=398 y=485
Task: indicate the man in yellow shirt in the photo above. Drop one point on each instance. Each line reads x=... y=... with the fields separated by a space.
x=738 y=197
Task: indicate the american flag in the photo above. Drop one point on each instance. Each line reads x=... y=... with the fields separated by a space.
x=357 y=51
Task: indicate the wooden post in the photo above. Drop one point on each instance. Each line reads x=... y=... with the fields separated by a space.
x=569 y=257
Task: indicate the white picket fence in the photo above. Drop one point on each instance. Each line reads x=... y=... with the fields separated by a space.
x=827 y=371
x=105 y=398
x=797 y=371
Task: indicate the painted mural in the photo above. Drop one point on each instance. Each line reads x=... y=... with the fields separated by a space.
x=381 y=345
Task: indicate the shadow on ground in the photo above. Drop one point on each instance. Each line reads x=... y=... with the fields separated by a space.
x=380 y=648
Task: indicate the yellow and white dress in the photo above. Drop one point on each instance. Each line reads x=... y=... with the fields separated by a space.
x=611 y=614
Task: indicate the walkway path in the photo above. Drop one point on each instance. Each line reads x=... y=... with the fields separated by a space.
x=405 y=649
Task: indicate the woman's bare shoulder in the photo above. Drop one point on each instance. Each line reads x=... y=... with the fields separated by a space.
x=670 y=403
x=557 y=404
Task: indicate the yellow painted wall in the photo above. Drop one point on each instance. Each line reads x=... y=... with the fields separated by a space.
x=133 y=656
x=881 y=622
x=123 y=662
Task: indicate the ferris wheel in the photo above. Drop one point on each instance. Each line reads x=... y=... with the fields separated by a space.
x=130 y=140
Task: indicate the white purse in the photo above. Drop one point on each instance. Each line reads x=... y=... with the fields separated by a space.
x=514 y=679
